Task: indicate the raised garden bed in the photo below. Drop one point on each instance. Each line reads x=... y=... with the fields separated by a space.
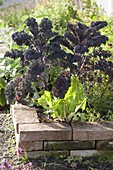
x=51 y=138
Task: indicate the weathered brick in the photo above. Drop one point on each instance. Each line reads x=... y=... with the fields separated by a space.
x=68 y=145
x=92 y=131
x=36 y=154
x=19 y=106
x=104 y=145
x=45 y=131
x=30 y=145
x=84 y=153
x=23 y=114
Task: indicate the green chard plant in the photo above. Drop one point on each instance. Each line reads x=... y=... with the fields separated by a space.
x=58 y=69
x=65 y=108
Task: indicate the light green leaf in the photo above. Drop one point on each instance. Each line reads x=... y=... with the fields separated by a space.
x=82 y=104
x=75 y=95
x=45 y=100
x=65 y=109
x=2 y=83
x=59 y=108
x=24 y=18
x=42 y=16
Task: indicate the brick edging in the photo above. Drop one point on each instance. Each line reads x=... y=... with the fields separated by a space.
x=41 y=138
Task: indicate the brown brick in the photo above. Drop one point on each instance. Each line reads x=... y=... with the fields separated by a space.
x=45 y=131
x=30 y=145
x=68 y=145
x=105 y=145
x=23 y=114
x=92 y=131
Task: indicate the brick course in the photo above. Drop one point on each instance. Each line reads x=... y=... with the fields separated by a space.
x=59 y=138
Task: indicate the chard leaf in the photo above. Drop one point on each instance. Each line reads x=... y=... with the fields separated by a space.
x=45 y=100
x=59 y=109
x=65 y=109
x=76 y=97
x=82 y=104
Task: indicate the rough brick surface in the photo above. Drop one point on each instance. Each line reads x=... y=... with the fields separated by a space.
x=84 y=153
x=36 y=154
x=31 y=145
x=92 y=131
x=83 y=139
x=45 y=131
x=21 y=107
x=104 y=144
x=22 y=115
x=68 y=145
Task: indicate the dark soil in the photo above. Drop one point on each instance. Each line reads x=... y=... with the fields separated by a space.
x=52 y=163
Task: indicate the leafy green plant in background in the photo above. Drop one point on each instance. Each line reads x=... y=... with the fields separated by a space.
x=11 y=16
x=8 y=70
x=1 y=2
x=90 y=11
x=59 y=12
x=2 y=91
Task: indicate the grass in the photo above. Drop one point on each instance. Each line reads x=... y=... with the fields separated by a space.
x=12 y=15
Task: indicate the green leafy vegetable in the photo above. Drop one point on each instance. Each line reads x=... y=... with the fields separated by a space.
x=65 y=108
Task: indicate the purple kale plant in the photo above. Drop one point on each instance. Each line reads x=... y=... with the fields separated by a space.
x=49 y=59
x=42 y=61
